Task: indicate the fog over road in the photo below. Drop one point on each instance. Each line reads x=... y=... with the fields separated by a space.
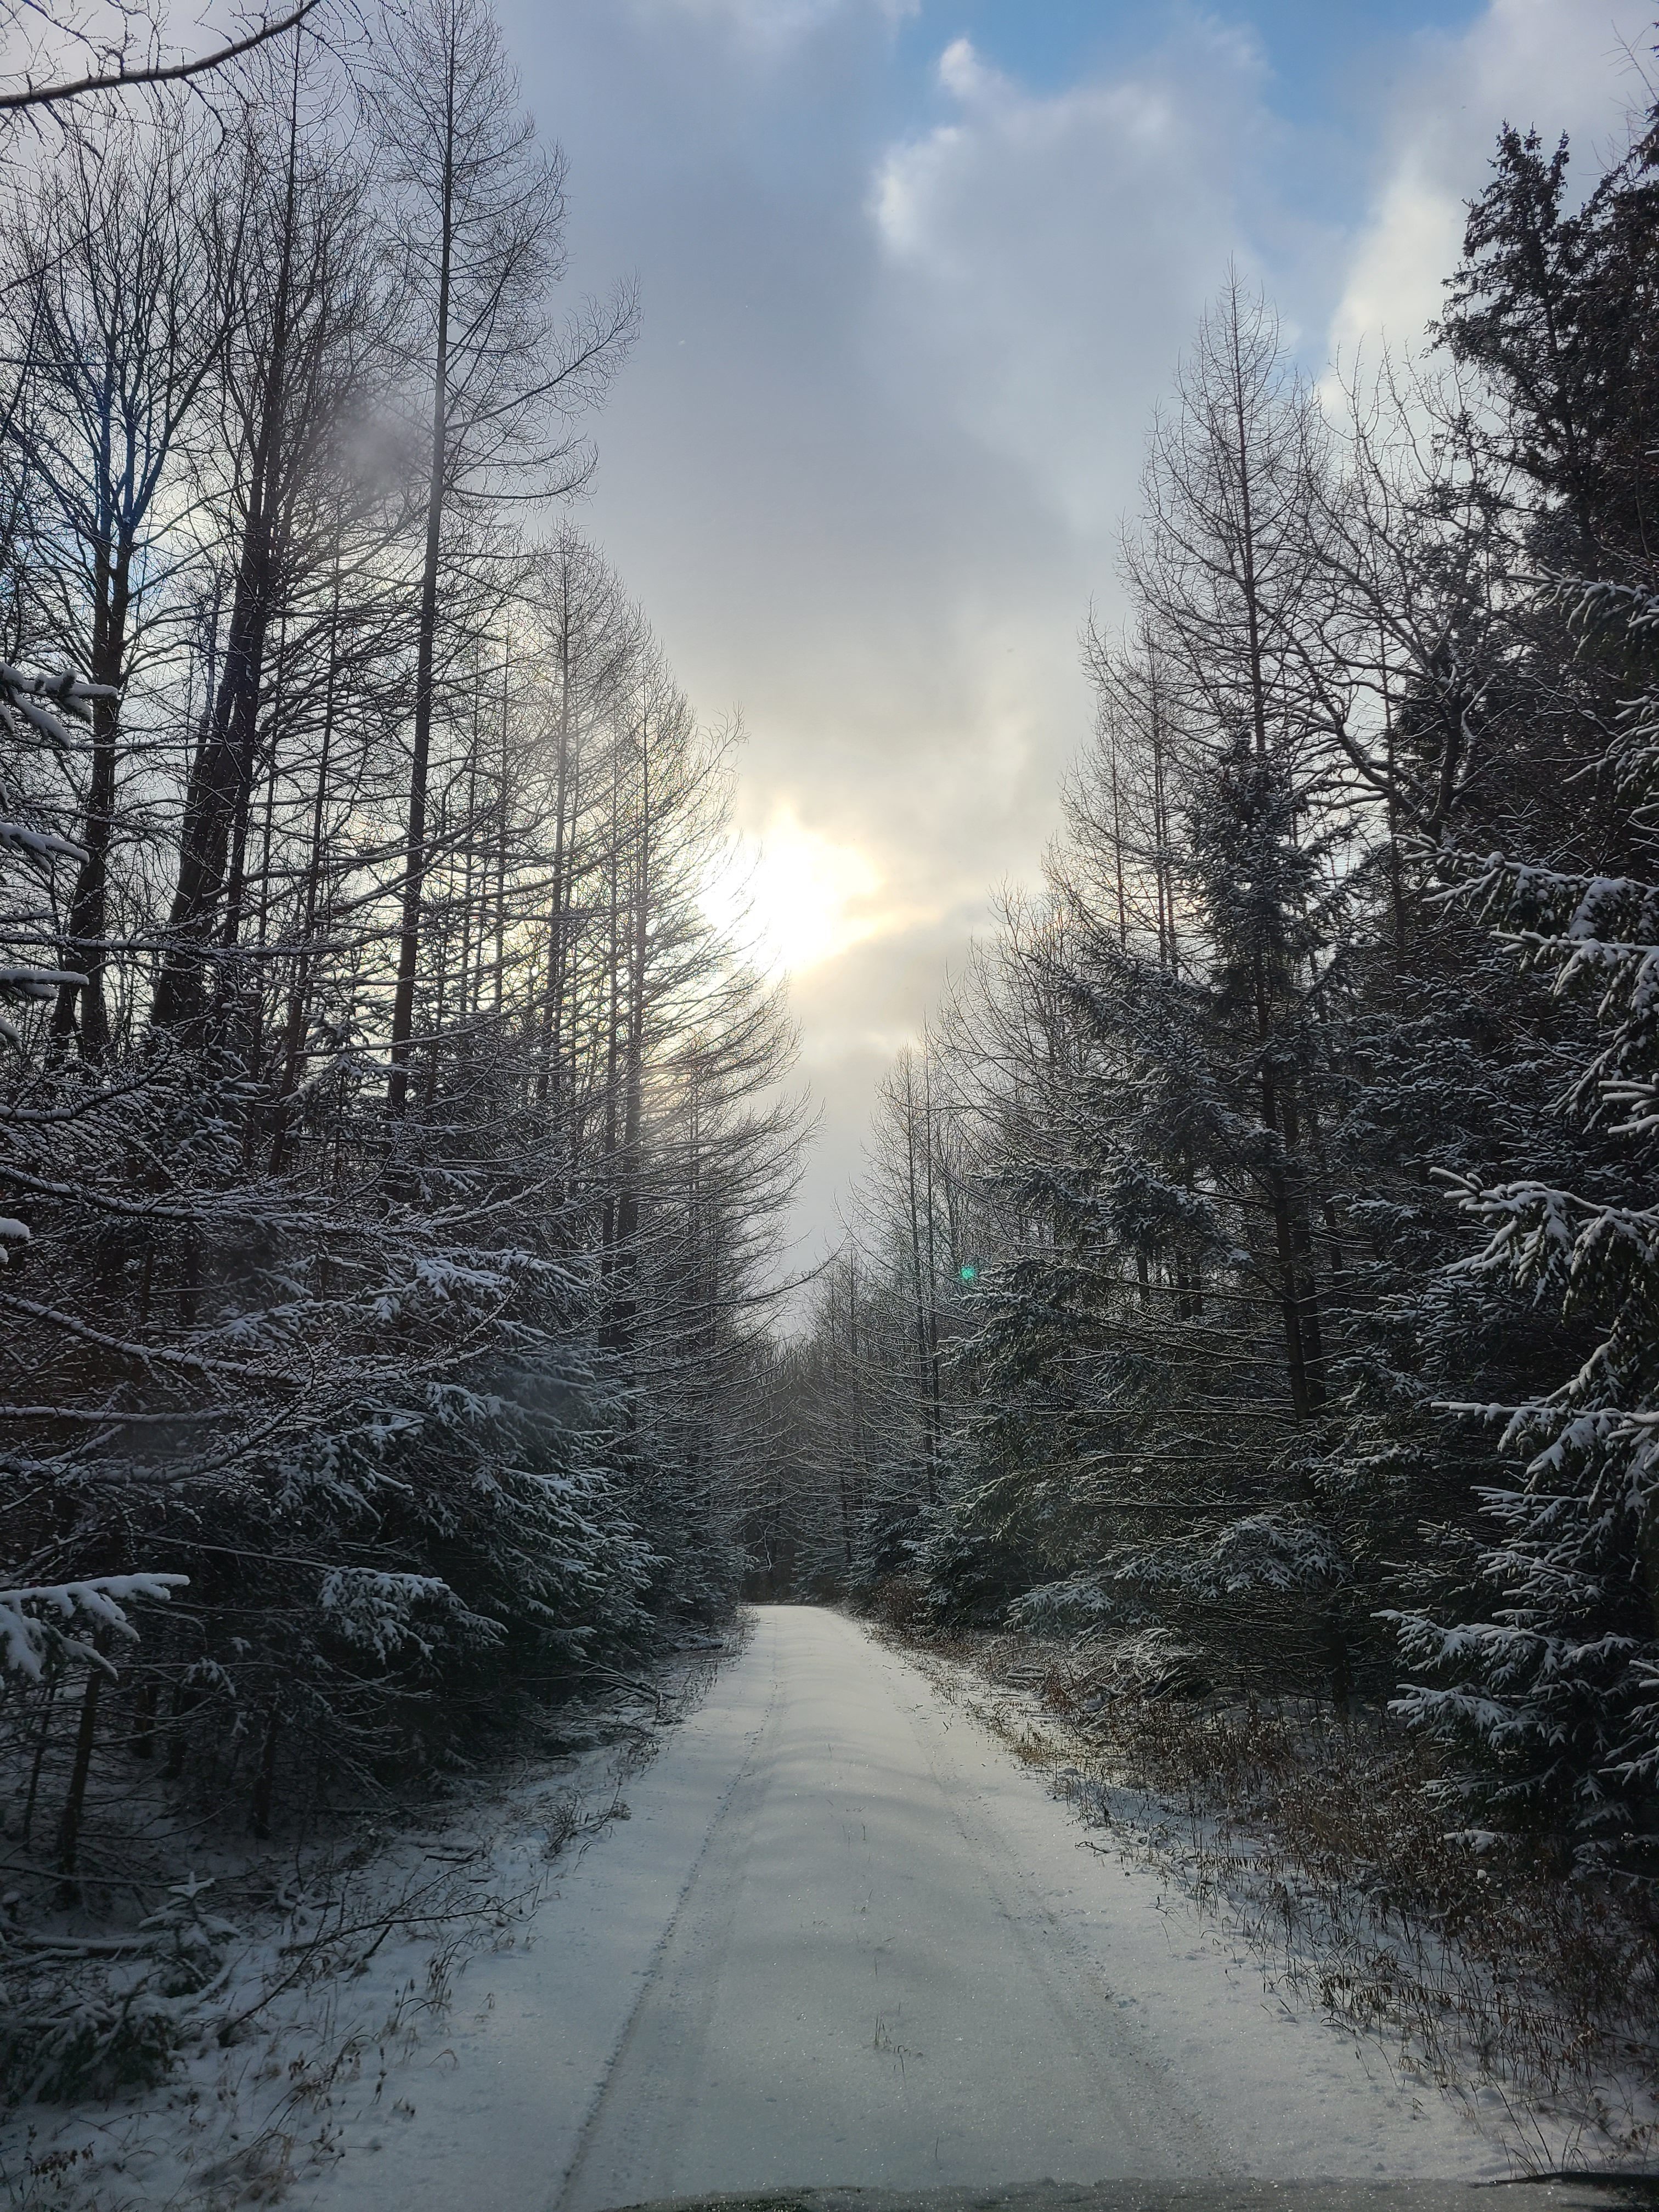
x=846 y=1938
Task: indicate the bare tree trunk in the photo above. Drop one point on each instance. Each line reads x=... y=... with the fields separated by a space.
x=628 y=1211
x=41 y=1741
x=69 y=1825
x=409 y=935
x=548 y=1074
x=299 y=1003
x=264 y=1781
x=84 y=948
x=221 y=774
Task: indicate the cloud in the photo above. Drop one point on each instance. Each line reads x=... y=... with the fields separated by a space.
x=1045 y=255
x=865 y=468
x=1558 y=65
x=770 y=27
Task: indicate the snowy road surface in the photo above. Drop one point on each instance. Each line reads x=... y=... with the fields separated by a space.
x=846 y=1938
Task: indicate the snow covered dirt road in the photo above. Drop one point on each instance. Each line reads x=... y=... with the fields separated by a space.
x=846 y=1938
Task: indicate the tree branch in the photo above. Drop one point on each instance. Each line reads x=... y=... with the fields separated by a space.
x=48 y=95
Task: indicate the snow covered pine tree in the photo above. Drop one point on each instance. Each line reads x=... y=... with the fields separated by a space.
x=1560 y=1685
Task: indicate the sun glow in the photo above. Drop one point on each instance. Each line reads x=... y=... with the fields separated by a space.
x=803 y=897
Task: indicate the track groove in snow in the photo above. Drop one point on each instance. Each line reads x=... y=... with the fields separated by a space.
x=846 y=1939
x=621 y=2056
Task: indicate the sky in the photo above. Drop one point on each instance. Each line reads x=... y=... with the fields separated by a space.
x=913 y=274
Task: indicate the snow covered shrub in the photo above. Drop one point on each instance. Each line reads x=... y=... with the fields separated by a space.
x=79 y=2022
x=93 y=2046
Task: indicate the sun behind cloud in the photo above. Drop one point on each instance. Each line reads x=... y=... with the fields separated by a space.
x=803 y=897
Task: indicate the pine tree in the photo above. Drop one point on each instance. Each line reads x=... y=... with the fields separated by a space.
x=1559 y=1684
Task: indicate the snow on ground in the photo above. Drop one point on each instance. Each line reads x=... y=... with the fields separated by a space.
x=846 y=1938
x=392 y=1946
x=1549 y=2090
x=842 y=1937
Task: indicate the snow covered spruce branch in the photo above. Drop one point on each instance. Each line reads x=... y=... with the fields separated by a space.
x=30 y=1634
x=1560 y=1682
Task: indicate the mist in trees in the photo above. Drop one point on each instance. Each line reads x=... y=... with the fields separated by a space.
x=393 y=1144
x=1253 y=1279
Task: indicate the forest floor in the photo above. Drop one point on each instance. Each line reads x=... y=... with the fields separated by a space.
x=1315 y=1846
x=341 y=1972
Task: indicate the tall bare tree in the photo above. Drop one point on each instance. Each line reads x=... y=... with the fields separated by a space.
x=476 y=213
x=113 y=295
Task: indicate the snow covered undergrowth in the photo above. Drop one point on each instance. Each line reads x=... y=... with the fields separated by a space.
x=308 y=1998
x=1524 y=1999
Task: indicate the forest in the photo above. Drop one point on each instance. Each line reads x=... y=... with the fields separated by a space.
x=391 y=1142
x=1253 y=1291
x=1254 y=1284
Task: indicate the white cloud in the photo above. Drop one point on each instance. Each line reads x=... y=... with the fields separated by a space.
x=772 y=26
x=1047 y=254
x=866 y=467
